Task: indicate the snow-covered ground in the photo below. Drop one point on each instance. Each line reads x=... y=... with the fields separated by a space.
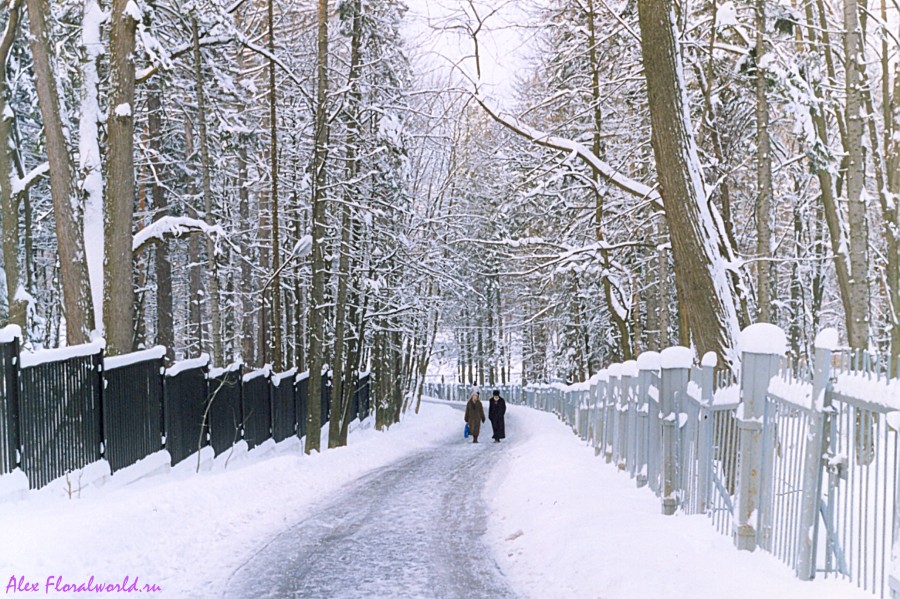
x=566 y=524
x=560 y=521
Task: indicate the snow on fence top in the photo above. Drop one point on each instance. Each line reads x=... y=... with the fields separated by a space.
x=179 y=367
x=869 y=389
x=305 y=375
x=710 y=360
x=154 y=353
x=10 y=332
x=649 y=360
x=44 y=356
x=827 y=339
x=264 y=371
x=630 y=368
x=614 y=369
x=676 y=357
x=763 y=338
x=277 y=378
x=215 y=373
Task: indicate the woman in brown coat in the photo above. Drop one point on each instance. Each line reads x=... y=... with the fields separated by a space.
x=474 y=416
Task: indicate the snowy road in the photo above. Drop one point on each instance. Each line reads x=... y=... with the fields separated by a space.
x=412 y=529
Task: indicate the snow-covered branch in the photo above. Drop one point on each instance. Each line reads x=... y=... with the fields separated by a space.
x=20 y=186
x=547 y=140
x=173 y=226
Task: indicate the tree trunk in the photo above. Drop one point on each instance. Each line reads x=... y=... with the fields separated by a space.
x=822 y=164
x=701 y=279
x=277 y=357
x=619 y=320
x=9 y=201
x=890 y=215
x=77 y=306
x=213 y=274
x=344 y=378
x=315 y=355
x=195 y=283
x=855 y=178
x=764 y=267
x=118 y=284
x=165 y=318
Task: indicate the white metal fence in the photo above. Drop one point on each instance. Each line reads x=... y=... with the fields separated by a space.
x=797 y=461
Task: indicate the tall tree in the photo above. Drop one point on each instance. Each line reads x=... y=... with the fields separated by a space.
x=700 y=277
x=118 y=292
x=77 y=304
x=316 y=351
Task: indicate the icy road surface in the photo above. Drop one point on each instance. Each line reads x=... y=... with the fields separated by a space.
x=412 y=529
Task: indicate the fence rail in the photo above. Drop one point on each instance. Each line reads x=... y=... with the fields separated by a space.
x=799 y=460
x=61 y=410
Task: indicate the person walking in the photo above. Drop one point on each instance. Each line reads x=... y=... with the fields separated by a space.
x=474 y=415
x=497 y=413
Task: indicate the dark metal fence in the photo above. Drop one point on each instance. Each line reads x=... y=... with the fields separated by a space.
x=132 y=408
x=301 y=390
x=59 y=416
x=186 y=396
x=9 y=408
x=284 y=408
x=257 y=409
x=224 y=416
x=361 y=404
x=64 y=409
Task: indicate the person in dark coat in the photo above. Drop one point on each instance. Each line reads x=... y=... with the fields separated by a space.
x=474 y=415
x=497 y=412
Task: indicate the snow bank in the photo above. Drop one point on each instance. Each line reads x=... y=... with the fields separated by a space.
x=187 y=532
x=584 y=530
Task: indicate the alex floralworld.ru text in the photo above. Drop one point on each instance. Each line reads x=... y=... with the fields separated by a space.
x=58 y=585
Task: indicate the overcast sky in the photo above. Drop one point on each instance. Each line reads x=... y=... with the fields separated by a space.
x=437 y=35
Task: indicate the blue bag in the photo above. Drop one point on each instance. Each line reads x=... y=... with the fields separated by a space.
x=466 y=434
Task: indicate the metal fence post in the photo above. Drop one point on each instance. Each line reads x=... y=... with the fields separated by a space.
x=648 y=365
x=761 y=346
x=675 y=363
x=631 y=372
x=626 y=384
x=599 y=407
x=611 y=425
x=705 y=436
x=825 y=343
